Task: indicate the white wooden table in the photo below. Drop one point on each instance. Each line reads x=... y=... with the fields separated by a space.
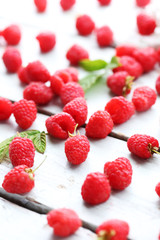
x=57 y=184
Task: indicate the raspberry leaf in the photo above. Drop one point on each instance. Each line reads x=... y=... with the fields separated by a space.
x=39 y=142
x=93 y=65
x=115 y=62
x=88 y=81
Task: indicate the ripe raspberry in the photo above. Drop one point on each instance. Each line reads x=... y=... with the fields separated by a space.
x=96 y=188
x=147 y=57
x=158 y=85
x=125 y=50
x=47 y=41
x=85 y=25
x=142 y=145
x=157 y=189
x=77 y=148
x=22 y=75
x=104 y=2
x=19 y=180
x=76 y=53
x=78 y=109
x=67 y=4
x=104 y=36
x=41 y=5
x=12 y=59
x=38 y=92
x=113 y=229
x=21 y=152
x=146 y=24
x=12 y=34
x=143 y=98
x=71 y=91
x=100 y=125
x=25 y=113
x=120 y=83
x=64 y=221
x=5 y=108
x=37 y=72
x=130 y=65
x=142 y=3
x=120 y=109
x=119 y=173
x=73 y=73
x=60 y=124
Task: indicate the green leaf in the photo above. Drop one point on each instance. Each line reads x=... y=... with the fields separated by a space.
x=88 y=81
x=93 y=65
x=39 y=142
x=115 y=62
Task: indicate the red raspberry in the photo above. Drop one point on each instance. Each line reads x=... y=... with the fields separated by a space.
x=119 y=173
x=85 y=25
x=96 y=188
x=5 y=108
x=47 y=41
x=19 y=180
x=71 y=91
x=120 y=109
x=12 y=59
x=64 y=221
x=21 y=152
x=25 y=113
x=12 y=34
x=67 y=4
x=113 y=229
x=104 y=2
x=146 y=24
x=125 y=50
x=40 y=5
x=158 y=85
x=76 y=53
x=130 y=65
x=120 y=83
x=73 y=73
x=147 y=57
x=104 y=36
x=60 y=124
x=38 y=92
x=157 y=189
x=22 y=75
x=143 y=98
x=77 y=148
x=142 y=145
x=142 y=3
x=37 y=72
x=100 y=125
x=78 y=109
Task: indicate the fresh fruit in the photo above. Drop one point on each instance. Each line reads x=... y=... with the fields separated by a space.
x=157 y=189
x=104 y=2
x=6 y=109
x=41 y=5
x=104 y=36
x=47 y=41
x=76 y=53
x=73 y=73
x=158 y=85
x=12 y=59
x=142 y=3
x=12 y=34
x=22 y=75
x=85 y=25
x=146 y=24
x=125 y=50
x=67 y=4
x=37 y=72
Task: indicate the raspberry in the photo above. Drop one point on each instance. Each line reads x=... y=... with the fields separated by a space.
x=22 y=75
x=70 y=91
x=100 y=125
x=120 y=83
x=142 y=3
x=85 y=25
x=125 y=50
x=157 y=189
x=73 y=73
x=76 y=53
x=113 y=229
x=158 y=85
x=25 y=113
x=5 y=109
x=130 y=65
x=67 y=4
x=142 y=145
x=104 y=2
x=104 y=36
x=12 y=34
x=38 y=92
x=21 y=152
x=78 y=109
x=40 y=5
x=119 y=173
x=19 y=180
x=120 y=109
x=143 y=98
x=47 y=41
x=64 y=221
x=77 y=148
x=37 y=72
x=12 y=59
x=146 y=24
x=60 y=124
x=96 y=188
x=147 y=57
